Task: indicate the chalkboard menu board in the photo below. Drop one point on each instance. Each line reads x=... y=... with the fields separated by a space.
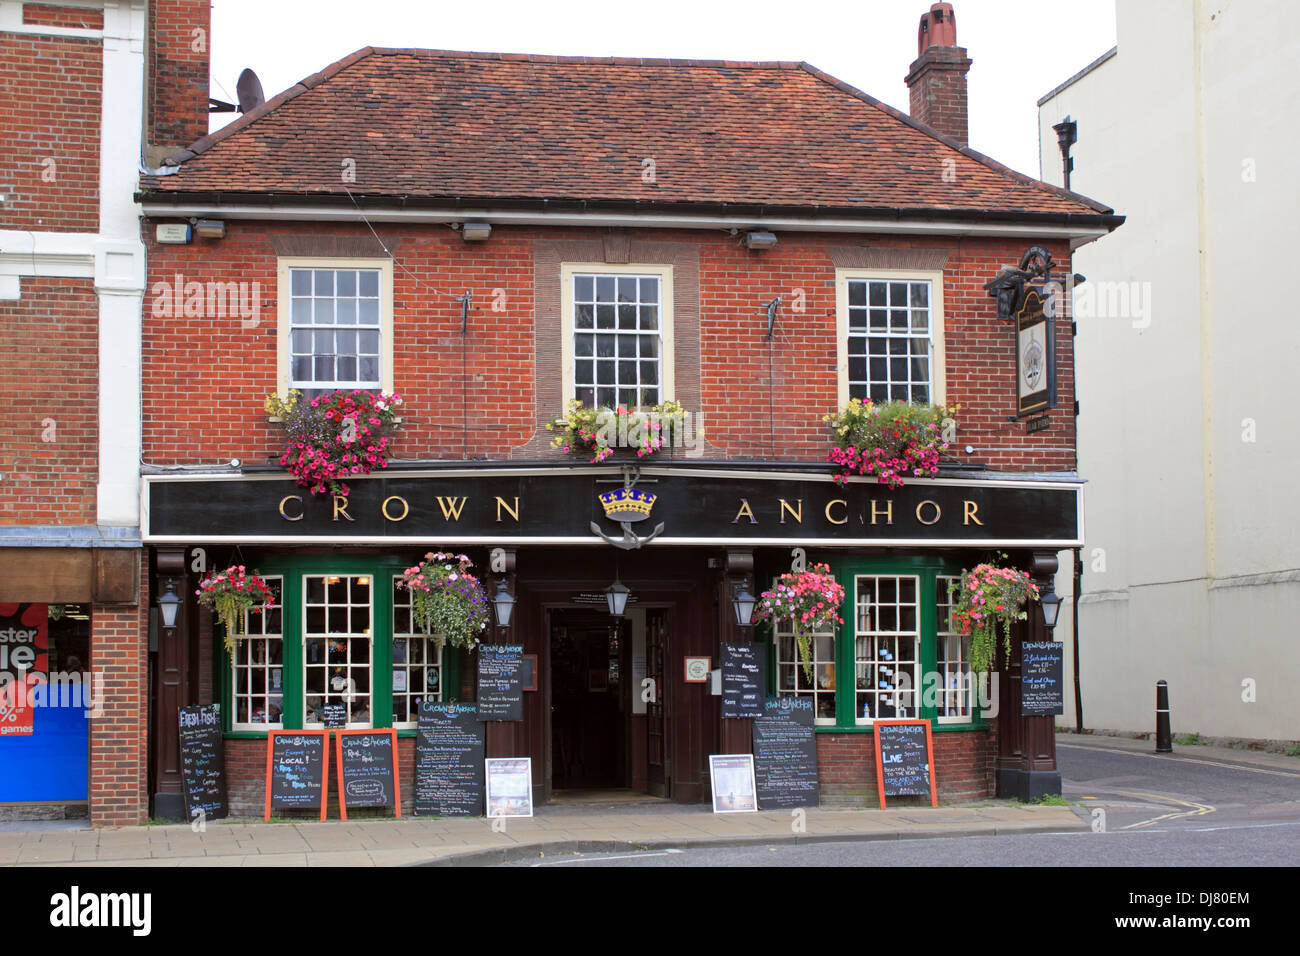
x=903 y=761
x=1042 y=678
x=203 y=766
x=744 y=680
x=785 y=755
x=368 y=774
x=297 y=770
x=449 y=752
x=500 y=682
x=334 y=716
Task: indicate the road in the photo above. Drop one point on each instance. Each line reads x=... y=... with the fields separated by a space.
x=1198 y=807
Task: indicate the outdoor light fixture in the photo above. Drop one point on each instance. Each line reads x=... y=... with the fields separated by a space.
x=169 y=604
x=744 y=603
x=1050 y=604
x=759 y=239
x=475 y=231
x=616 y=594
x=503 y=603
x=210 y=229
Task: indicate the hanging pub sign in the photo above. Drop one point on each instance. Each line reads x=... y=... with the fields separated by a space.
x=1035 y=368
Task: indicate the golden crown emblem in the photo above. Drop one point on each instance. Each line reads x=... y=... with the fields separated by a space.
x=627 y=504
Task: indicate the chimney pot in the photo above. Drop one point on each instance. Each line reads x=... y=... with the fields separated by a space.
x=937 y=78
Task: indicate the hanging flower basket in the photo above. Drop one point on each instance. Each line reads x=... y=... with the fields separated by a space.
x=892 y=441
x=447 y=602
x=811 y=600
x=229 y=594
x=985 y=598
x=334 y=436
x=599 y=431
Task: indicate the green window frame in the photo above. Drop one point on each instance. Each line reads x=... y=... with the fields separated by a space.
x=293 y=568
x=927 y=569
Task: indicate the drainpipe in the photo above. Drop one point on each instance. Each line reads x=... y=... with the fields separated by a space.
x=1074 y=613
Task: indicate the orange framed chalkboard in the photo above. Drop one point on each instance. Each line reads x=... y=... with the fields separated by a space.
x=297 y=770
x=368 y=769
x=904 y=765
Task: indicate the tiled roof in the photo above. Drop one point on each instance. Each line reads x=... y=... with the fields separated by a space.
x=436 y=125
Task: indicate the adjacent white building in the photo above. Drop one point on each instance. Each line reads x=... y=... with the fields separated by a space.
x=1188 y=363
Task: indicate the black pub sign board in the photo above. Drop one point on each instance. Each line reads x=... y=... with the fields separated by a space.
x=1042 y=678
x=203 y=768
x=449 y=752
x=785 y=755
x=500 y=682
x=744 y=677
x=696 y=506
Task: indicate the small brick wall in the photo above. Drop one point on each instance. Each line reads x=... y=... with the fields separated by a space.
x=963 y=763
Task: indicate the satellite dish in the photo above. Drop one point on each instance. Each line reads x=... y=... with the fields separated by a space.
x=249 y=89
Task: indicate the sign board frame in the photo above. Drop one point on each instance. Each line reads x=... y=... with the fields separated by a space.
x=488 y=765
x=929 y=751
x=397 y=770
x=325 y=772
x=748 y=760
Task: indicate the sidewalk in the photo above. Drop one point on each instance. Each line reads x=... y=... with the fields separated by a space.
x=1199 y=752
x=553 y=831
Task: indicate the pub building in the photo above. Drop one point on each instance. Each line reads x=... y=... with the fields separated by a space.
x=490 y=236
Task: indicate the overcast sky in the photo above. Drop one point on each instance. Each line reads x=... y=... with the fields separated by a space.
x=1021 y=48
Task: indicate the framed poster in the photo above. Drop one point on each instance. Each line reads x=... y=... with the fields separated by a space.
x=697 y=669
x=509 y=786
x=731 y=778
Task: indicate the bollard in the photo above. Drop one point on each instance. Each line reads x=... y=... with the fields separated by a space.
x=1164 y=742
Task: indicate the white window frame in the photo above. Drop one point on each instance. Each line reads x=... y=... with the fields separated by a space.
x=918 y=636
x=283 y=307
x=304 y=635
x=965 y=691
x=246 y=639
x=938 y=365
x=431 y=647
x=665 y=275
x=784 y=628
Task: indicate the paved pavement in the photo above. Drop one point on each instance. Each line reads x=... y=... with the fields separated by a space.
x=1135 y=796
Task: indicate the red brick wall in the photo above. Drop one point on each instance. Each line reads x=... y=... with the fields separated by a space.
x=67 y=17
x=119 y=740
x=178 y=75
x=191 y=418
x=49 y=340
x=963 y=762
x=49 y=132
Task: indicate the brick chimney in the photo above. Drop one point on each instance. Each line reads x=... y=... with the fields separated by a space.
x=179 y=58
x=937 y=78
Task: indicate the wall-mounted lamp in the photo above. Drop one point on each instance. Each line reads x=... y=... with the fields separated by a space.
x=617 y=594
x=744 y=603
x=772 y=308
x=169 y=605
x=1050 y=605
x=1067 y=134
x=760 y=239
x=475 y=231
x=503 y=602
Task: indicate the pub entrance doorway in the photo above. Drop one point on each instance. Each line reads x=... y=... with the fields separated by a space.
x=589 y=701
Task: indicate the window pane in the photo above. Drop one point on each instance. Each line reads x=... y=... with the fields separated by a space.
x=584 y=288
x=347 y=282
x=368 y=283
x=649 y=290
x=299 y=282
x=324 y=282
x=368 y=311
x=605 y=286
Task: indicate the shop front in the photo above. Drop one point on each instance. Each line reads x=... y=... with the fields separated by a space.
x=614 y=702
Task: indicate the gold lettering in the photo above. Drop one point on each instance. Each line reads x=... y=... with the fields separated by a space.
x=745 y=512
x=888 y=512
x=933 y=504
x=406 y=508
x=341 y=507
x=971 y=507
x=451 y=507
x=513 y=512
x=797 y=515
x=285 y=515
x=836 y=501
